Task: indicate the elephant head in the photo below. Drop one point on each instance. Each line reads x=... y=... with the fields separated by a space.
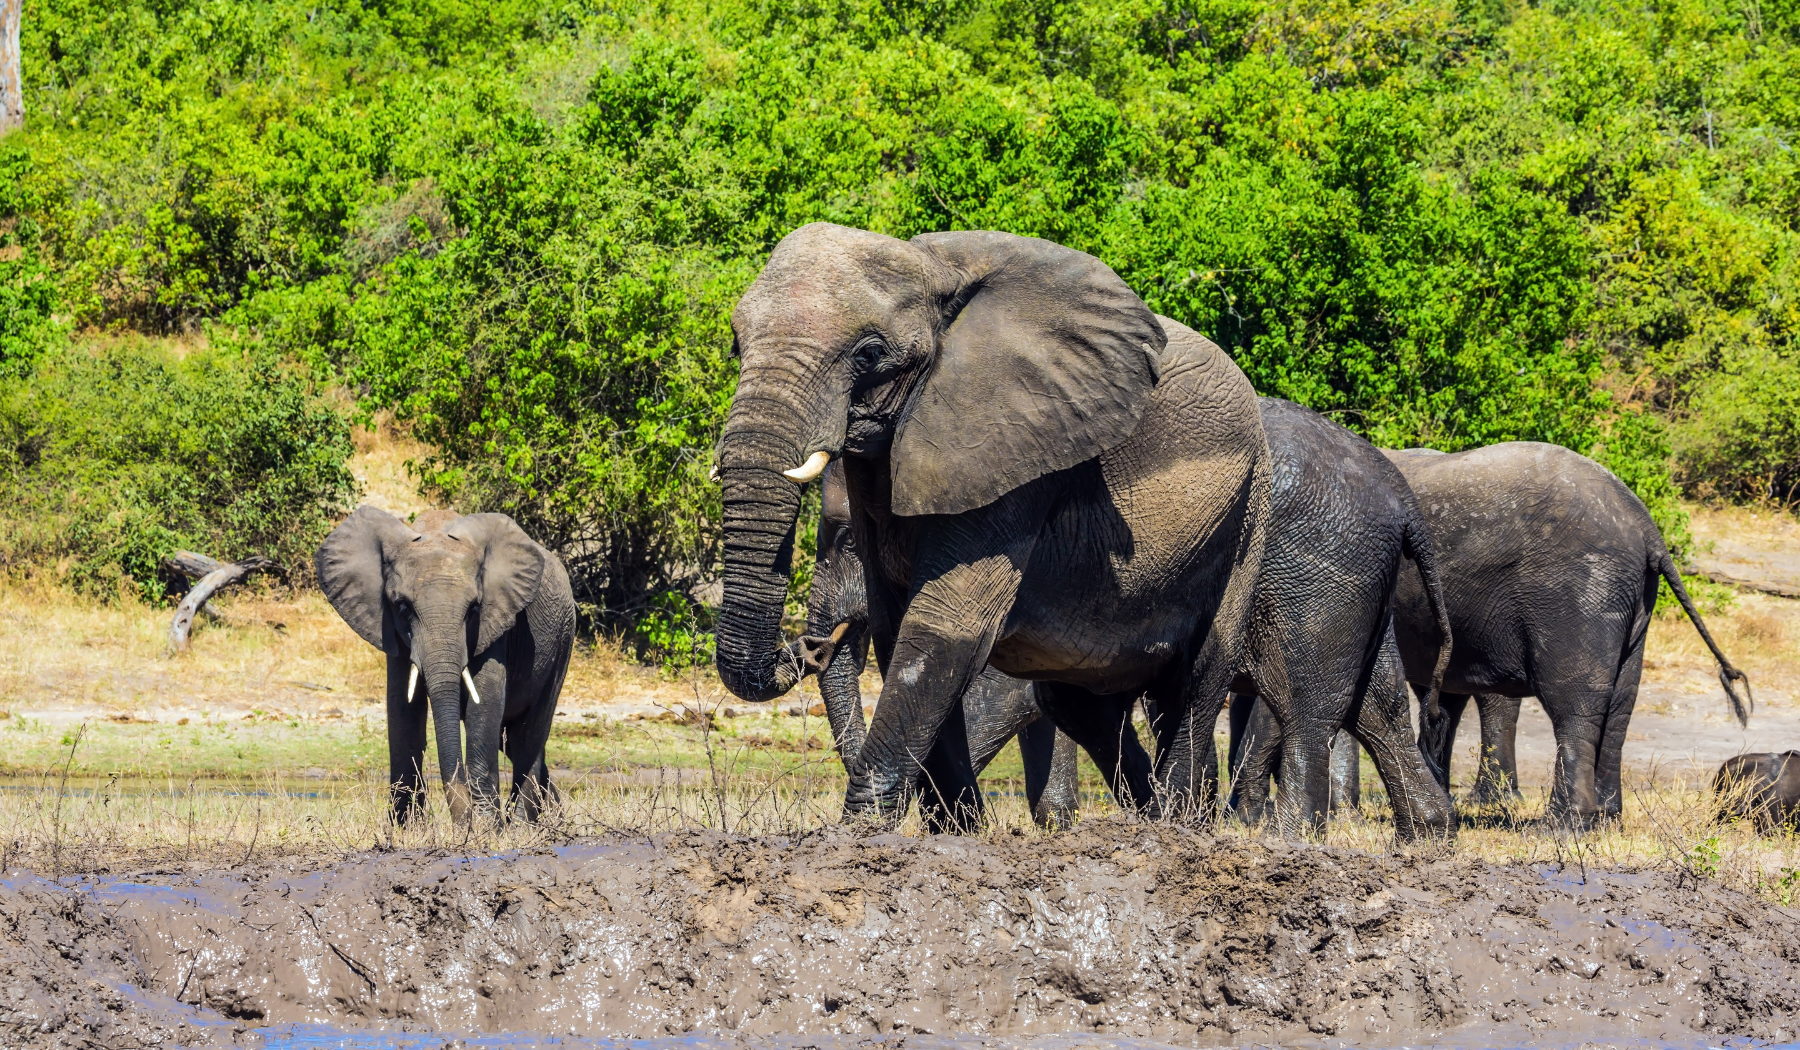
x=437 y=598
x=970 y=363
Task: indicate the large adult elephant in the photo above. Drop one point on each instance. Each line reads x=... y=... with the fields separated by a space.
x=481 y=616
x=1550 y=567
x=1342 y=521
x=996 y=708
x=1042 y=475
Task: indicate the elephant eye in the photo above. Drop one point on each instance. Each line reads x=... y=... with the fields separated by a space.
x=867 y=353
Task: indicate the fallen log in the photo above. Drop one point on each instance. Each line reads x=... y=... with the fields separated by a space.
x=208 y=585
x=1772 y=588
x=192 y=565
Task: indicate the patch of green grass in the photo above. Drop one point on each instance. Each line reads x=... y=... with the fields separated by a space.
x=236 y=749
x=206 y=750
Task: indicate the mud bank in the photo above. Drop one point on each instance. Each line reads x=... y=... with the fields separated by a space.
x=1130 y=932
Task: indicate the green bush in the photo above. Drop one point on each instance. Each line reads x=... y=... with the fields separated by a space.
x=522 y=226
x=115 y=456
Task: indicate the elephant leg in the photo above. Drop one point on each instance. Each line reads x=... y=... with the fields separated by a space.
x=1437 y=739
x=1609 y=774
x=1381 y=720
x=1346 y=773
x=1187 y=763
x=1578 y=715
x=995 y=709
x=966 y=575
x=406 y=739
x=950 y=800
x=526 y=741
x=482 y=728
x=1498 y=780
x=1305 y=777
x=1256 y=751
x=1101 y=725
x=1051 y=782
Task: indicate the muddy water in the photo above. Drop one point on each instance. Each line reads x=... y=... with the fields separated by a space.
x=1114 y=935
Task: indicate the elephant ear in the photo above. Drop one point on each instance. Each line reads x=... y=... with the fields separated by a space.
x=512 y=569
x=1049 y=362
x=351 y=564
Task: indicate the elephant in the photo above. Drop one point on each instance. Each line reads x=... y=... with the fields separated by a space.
x=1762 y=787
x=1342 y=522
x=996 y=707
x=480 y=615
x=1043 y=476
x=1550 y=566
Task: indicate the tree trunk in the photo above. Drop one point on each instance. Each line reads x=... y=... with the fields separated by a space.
x=209 y=585
x=12 y=81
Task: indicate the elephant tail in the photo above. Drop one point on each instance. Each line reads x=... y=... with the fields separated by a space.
x=1741 y=706
x=1415 y=543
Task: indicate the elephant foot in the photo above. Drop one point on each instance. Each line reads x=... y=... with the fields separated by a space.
x=461 y=803
x=865 y=805
x=1489 y=793
x=1251 y=811
x=1581 y=822
x=1434 y=830
x=404 y=803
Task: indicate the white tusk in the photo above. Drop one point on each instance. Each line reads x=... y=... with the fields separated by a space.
x=469 y=680
x=712 y=473
x=812 y=468
x=412 y=682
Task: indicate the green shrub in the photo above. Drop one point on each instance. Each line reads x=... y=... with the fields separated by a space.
x=521 y=226
x=114 y=456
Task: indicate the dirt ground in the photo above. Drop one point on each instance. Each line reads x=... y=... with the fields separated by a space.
x=1127 y=930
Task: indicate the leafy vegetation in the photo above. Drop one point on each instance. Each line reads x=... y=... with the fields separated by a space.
x=521 y=225
x=113 y=456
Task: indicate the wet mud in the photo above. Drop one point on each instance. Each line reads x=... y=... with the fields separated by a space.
x=1126 y=932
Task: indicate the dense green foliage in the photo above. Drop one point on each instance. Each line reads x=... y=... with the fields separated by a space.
x=521 y=225
x=113 y=457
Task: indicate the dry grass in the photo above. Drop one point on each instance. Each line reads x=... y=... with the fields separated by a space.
x=61 y=821
x=1760 y=633
x=257 y=649
x=382 y=464
x=1766 y=528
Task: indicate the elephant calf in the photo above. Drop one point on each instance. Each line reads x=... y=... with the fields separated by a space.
x=1342 y=519
x=481 y=616
x=1763 y=787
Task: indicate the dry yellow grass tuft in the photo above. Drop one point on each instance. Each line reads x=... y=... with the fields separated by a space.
x=385 y=453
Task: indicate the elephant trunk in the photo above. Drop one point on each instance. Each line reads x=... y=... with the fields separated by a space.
x=842 y=693
x=839 y=607
x=761 y=508
x=442 y=656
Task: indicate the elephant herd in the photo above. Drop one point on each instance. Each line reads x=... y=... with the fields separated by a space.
x=1045 y=506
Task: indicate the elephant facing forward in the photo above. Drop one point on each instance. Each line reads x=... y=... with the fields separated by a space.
x=480 y=616
x=1040 y=477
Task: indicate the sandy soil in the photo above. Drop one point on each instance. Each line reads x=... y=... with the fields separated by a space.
x=1748 y=546
x=1138 y=931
